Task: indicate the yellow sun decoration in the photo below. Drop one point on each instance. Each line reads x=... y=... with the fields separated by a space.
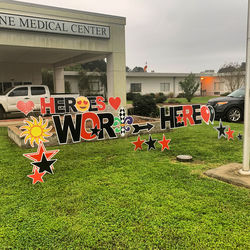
x=35 y=131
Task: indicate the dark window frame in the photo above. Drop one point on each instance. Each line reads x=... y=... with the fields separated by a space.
x=165 y=86
x=135 y=87
x=37 y=87
x=23 y=94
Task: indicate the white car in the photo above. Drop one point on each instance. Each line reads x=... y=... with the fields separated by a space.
x=9 y=99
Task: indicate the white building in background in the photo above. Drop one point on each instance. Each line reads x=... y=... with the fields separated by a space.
x=145 y=83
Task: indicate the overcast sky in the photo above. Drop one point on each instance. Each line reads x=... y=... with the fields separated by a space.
x=175 y=35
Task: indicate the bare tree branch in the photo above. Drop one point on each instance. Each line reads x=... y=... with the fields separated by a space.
x=233 y=74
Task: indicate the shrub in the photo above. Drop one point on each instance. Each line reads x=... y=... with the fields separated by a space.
x=160 y=98
x=173 y=101
x=225 y=94
x=170 y=95
x=130 y=111
x=145 y=105
x=181 y=95
x=131 y=96
x=152 y=94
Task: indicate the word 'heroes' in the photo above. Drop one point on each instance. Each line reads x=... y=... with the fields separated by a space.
x=70 y=104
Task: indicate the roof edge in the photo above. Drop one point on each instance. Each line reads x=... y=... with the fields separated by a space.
x=121 y=18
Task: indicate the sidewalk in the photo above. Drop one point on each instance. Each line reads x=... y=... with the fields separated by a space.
x=229 y=173
x=11 y=122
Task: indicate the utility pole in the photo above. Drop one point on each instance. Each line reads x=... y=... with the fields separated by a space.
x=246 y=146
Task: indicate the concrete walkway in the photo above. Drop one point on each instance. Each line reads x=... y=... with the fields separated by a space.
x=11 y=122
x=16 y=121
x=230 y=173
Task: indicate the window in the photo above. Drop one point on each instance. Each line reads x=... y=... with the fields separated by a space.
x=218 y=86
x=215 y=86
x=165 y=87
x=95 y=86
x=37 y=91
x=135 y=87
x=23 y=91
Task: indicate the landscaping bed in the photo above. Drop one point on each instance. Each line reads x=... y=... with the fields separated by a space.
x=14 y=131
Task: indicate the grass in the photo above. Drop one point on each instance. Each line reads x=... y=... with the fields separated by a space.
x=198 y=100
x=105 y=195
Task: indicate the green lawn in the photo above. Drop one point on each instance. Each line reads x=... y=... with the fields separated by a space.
x=195 y=100
x=105 y=195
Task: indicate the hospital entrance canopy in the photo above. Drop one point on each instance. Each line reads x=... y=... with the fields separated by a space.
x=34 y=36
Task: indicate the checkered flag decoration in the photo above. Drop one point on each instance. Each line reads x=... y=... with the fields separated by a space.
x=122 y=115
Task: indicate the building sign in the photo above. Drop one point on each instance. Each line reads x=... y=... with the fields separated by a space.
x=27 y=23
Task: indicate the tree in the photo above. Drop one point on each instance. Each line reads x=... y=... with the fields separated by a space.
x=189 y=86
x=85 y=80
x=67 y=87
x=233 y=74
x=128 y=69
x=138 y=69
x=98 y=72
x=75 y=67
x=98 y=65
x=47 y=79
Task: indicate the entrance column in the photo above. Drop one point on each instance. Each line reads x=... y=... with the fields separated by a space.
x=116 y=76
x=59 y=80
